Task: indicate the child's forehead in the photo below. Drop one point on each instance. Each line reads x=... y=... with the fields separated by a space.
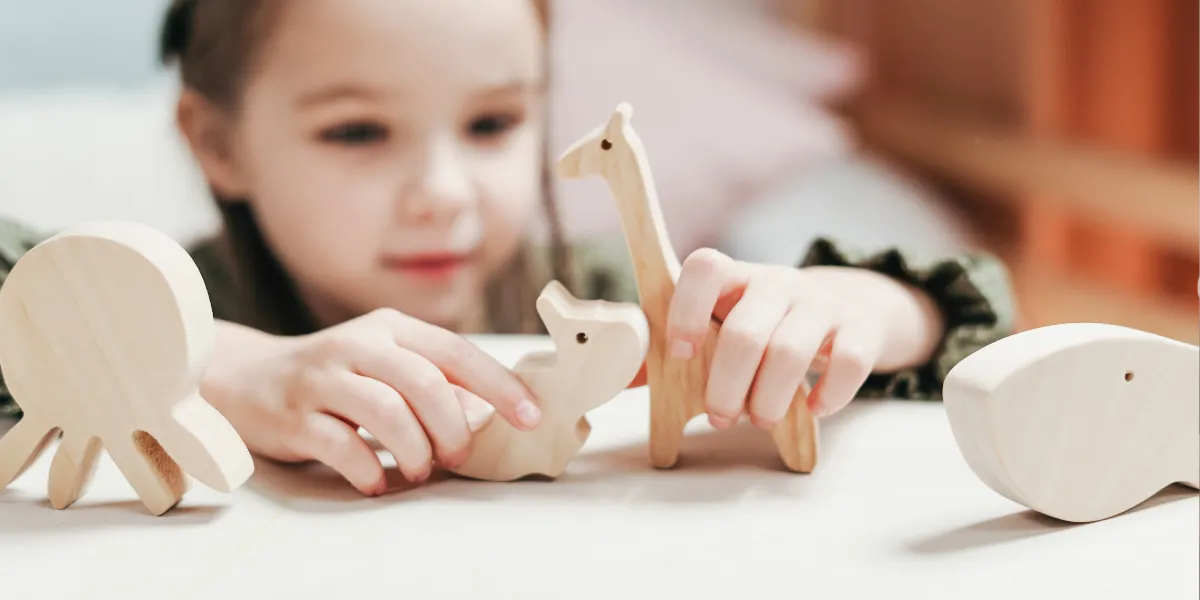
x=497 y=40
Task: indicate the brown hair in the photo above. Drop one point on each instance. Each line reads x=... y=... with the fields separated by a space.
x=213 y=42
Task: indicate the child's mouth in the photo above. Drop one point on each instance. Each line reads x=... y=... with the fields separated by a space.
x=427 y=266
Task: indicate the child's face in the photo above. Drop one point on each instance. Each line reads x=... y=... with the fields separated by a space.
x=392 y=149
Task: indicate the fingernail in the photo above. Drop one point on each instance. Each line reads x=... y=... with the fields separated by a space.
x=761 y=423
x=423 y=475
x=681 y=349
x=528 y=414
x=719 y=422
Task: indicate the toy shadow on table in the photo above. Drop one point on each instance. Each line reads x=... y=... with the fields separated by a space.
x=1024 y=524
x=25 y=512
x=715 y=467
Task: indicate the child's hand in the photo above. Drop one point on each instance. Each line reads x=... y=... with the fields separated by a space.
x=778 y=323
x=402 y=380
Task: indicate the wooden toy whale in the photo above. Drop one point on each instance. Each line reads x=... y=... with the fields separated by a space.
x=615 y=152
x=104 y=331
x=599 y=348
x=1080 y=421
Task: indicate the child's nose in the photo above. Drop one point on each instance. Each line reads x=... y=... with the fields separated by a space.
x=444 y=184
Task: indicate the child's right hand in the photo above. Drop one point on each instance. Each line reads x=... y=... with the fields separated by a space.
x=402 y=380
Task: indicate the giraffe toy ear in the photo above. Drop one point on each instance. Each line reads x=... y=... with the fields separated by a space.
x=623 y=115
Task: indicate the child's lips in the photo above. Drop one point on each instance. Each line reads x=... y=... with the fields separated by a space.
x=433 y=265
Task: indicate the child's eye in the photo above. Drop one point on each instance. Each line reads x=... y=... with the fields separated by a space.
x=490 y=126
x=355 y=134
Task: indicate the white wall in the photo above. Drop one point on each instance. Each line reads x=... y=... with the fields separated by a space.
x=55 y=43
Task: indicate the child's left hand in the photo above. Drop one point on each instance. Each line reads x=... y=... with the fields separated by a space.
x=780 y=322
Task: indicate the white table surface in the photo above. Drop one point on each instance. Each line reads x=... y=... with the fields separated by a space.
x=891 y=512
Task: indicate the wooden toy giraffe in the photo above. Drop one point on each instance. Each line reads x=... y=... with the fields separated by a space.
x=599 y=348
x=615 y=152
x=104 y=331
x=1078 y=421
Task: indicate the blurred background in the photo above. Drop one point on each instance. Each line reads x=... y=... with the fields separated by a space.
x=1059 y=134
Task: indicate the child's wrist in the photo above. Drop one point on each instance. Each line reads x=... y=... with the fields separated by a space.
x=911 y=322
x=236 y=349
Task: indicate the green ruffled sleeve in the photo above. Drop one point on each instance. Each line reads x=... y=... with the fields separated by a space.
x=973 y=291
x=15 y=240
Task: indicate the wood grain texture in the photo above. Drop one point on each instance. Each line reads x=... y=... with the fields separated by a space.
x=599 y=348
x=105 y=329
x=1079 y=421
x=677 y=388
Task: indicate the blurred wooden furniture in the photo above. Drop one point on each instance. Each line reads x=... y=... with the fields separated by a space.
x=1068 y=126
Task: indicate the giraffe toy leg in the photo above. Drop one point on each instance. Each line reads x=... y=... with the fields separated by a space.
x=796 y=435
x=668 y=418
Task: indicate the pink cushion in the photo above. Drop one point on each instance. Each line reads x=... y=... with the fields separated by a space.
x=716 y=134
x=746 y=36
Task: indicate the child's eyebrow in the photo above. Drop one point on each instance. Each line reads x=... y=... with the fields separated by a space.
x=356 y=92
x=518 y=86
x=337 y=92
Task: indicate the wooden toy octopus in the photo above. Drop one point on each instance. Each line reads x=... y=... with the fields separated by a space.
x=104 y=331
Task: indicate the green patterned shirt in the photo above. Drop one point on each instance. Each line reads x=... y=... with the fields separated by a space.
x=972 y=290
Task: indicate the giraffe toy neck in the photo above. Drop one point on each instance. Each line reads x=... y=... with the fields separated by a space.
x=656 y=266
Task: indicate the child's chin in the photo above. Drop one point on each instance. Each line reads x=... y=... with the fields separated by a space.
x=445 y=305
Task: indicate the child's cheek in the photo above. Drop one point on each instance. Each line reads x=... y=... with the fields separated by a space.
x=511 y=177
x=510 y=181
x=320 y=214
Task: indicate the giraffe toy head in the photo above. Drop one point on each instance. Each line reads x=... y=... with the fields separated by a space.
x=596 y=152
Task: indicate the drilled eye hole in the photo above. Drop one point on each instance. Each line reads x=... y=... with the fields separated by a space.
x=1128 y=375
x=581 y=337
x=605 y=145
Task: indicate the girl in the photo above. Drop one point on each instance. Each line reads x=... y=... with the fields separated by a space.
x=380 y=164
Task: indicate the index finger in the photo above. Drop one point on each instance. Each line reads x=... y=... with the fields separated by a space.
x=469 y=367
